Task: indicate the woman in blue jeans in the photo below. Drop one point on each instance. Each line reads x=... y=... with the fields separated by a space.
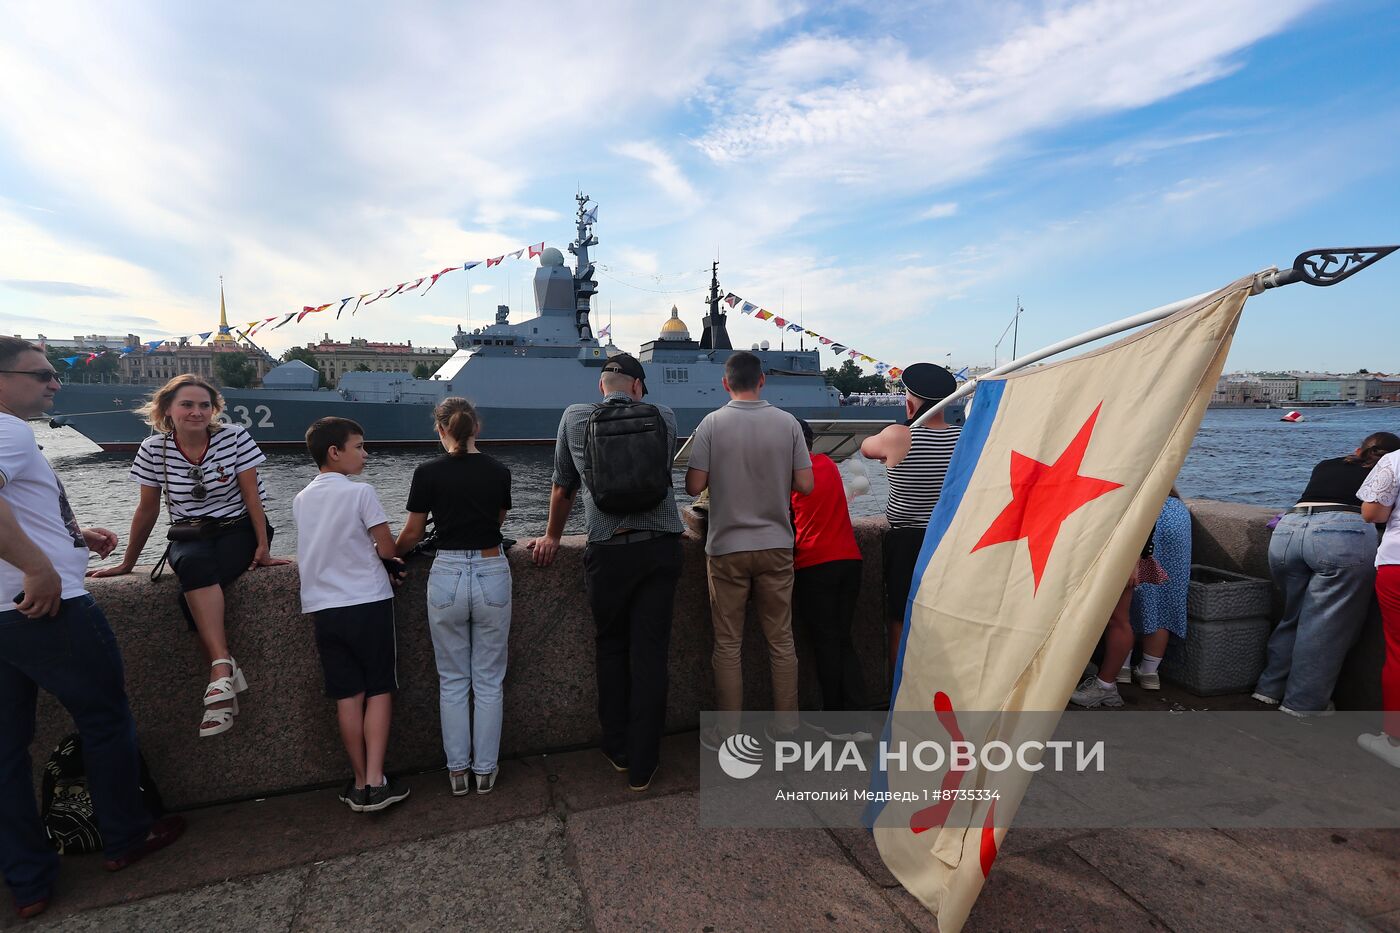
x=1322 y=555
x=468 y=493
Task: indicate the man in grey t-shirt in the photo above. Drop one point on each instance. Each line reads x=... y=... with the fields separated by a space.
x=752 y=457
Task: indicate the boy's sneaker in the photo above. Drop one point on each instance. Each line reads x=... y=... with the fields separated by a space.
x=1267 y=701
x=1125 y=674
x=385 y=795
x=485 y=783
x=461 y=783
x=1307 y=713
x=618 y=762
x=1380 y=746
x=1091 y=696
x=1150 y=681
x=352 y=796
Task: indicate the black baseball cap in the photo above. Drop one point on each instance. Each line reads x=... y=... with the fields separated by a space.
x=627 y=365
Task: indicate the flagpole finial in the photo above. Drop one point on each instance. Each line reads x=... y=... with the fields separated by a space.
x=1324 y=267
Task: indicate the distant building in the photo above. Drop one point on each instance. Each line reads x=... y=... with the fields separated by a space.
x=335 y=359
x=1359 y=387
x=1238 y=389
x=1278 y=387
x=170 y=360
x=1389 y=388
x=1320 y=389
x=90 y=343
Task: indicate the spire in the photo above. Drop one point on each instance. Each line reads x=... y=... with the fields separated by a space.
x=224 y=334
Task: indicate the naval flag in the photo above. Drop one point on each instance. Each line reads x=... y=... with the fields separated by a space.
x=1055 y=484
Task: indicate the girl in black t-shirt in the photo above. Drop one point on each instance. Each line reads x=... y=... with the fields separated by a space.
x=469 y=590
x=1322 y=555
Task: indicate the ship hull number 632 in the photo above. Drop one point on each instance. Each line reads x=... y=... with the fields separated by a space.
x=239 y=414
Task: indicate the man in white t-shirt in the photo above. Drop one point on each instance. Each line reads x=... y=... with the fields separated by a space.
x=53 y=635
x=343 y=540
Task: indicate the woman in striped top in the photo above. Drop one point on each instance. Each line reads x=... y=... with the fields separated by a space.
x=208 y=472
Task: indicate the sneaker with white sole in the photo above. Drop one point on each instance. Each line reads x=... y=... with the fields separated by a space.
x=485 y=783
x=1125 y=674
x=460 y=782
x=1267 y=701
x=1146 y=681
x=1307 y=713
x=353 y=796
x=385 y=795
x=1091 y=696
x=1379 y=744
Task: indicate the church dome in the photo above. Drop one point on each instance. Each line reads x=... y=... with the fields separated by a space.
x=674 y=328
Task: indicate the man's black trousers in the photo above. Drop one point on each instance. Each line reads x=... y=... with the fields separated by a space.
x=632 y=589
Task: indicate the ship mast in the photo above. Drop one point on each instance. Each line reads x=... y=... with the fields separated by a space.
x=715 y=335
x=585 y=286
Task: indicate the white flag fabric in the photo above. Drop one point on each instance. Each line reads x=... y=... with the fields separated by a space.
x=1054 y=487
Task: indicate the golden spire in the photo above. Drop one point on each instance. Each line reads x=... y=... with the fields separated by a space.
x=224 y=335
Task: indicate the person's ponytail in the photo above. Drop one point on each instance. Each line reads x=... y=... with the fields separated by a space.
x=456 y=418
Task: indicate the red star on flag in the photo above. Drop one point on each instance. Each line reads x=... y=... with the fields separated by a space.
x=1043 y=495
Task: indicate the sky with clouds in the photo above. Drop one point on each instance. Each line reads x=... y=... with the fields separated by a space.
x=894 y=175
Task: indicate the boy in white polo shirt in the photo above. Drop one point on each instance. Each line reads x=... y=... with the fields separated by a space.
x=343 y=538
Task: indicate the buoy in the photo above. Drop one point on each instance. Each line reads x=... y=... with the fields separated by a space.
x=1293 y=417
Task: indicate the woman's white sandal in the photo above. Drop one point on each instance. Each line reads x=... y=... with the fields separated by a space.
x=218 y=721
x=223 y=689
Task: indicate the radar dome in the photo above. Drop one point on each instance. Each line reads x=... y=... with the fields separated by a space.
x=764 y=345
x=551 y=257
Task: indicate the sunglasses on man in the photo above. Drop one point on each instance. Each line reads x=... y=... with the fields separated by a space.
x=40 y=375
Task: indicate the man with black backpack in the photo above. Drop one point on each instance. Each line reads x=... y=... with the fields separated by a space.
x=619 y=451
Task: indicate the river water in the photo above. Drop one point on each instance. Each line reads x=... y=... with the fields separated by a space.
x=1239 y=456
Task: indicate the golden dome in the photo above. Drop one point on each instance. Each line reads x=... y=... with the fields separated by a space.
x=674 y=328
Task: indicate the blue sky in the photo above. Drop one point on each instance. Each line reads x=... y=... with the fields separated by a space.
x=892 y=174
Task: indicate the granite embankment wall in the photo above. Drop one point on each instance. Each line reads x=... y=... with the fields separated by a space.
x=285 y=737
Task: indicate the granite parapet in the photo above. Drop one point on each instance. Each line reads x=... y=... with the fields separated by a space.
x=286 y=739
x=285 y=736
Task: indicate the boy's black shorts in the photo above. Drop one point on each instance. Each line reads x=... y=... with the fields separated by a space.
x=358 y=650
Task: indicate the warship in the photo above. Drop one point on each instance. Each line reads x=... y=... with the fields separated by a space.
x=520 y=376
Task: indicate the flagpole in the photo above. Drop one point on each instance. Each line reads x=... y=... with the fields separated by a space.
x=1322 y=267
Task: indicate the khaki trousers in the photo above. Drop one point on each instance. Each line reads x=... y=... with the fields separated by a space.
x=768 y=576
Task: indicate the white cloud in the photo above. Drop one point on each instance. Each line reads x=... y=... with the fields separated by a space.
x=885 y=116
x=1141 y=151
x=662 y=170
x=939 y=211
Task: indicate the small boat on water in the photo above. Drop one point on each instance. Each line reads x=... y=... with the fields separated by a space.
x=1293 y=417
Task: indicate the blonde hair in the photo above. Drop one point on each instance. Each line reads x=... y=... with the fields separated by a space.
x=156 y=411
x=457 y=418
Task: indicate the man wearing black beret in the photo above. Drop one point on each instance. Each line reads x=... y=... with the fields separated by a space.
x=916 y=459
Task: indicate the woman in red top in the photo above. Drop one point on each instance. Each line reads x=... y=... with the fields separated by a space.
x=827 y=581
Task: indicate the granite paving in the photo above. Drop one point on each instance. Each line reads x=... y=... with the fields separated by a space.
x=562 y=844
